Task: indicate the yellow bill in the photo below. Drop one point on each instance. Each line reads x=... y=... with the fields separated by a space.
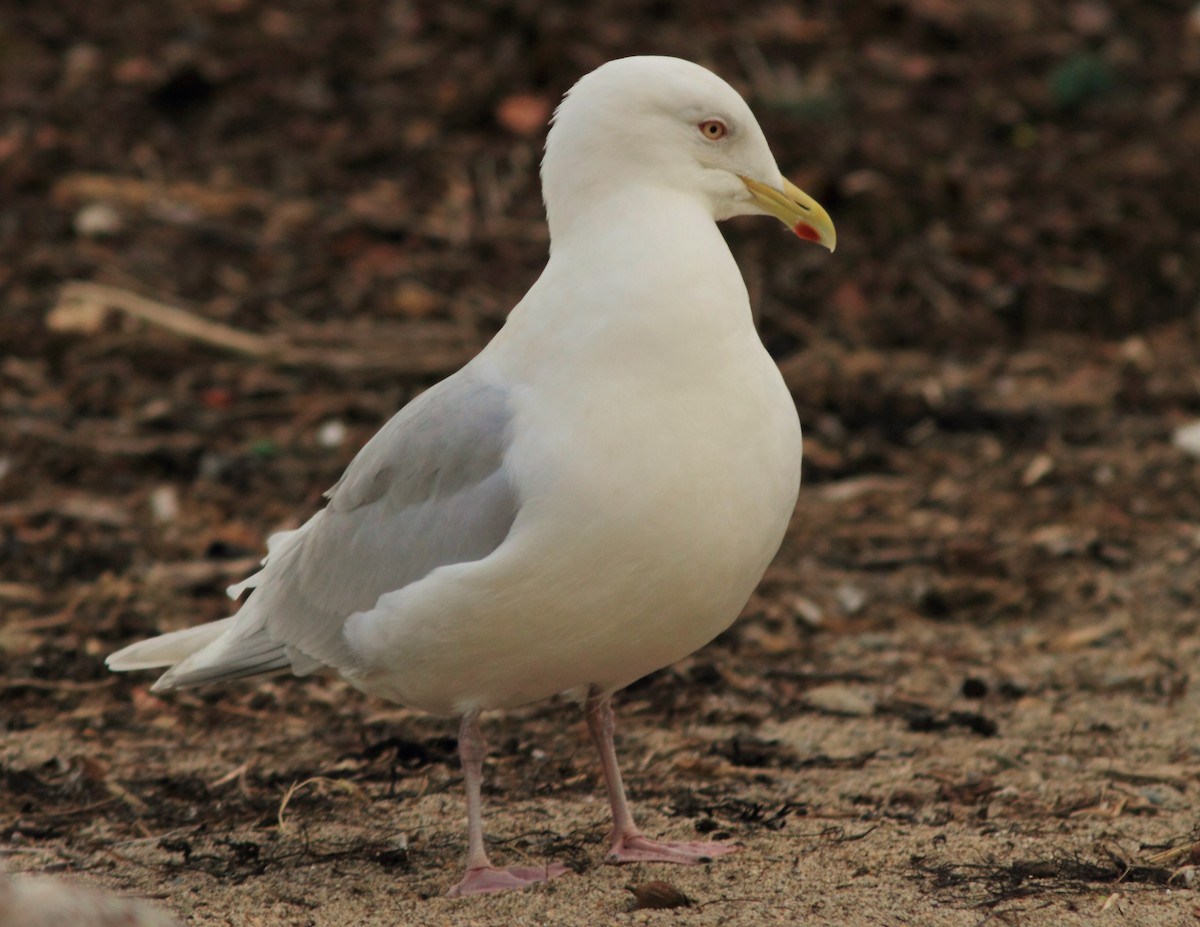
x=795 y=209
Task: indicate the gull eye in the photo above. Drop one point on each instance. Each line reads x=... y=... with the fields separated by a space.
x=713 y=129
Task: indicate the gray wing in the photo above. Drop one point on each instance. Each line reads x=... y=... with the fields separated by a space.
x=429 y=489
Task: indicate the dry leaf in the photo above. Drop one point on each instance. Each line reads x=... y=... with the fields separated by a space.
x=523 y=113
x=657 y=896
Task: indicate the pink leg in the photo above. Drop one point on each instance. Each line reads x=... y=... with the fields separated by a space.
x=481 y=876
x=629 y=845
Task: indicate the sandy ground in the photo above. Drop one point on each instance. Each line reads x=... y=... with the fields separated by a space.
x=929 y=773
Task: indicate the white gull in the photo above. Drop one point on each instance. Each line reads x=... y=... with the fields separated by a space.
x=592 y=497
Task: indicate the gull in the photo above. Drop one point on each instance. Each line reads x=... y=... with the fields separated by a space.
x=592 y=497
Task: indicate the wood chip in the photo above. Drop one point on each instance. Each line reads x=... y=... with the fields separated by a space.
x=1088 y=636
x=851 y=701
x=657 y=895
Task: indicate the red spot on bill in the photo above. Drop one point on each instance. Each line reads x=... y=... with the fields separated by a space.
x=807 y=232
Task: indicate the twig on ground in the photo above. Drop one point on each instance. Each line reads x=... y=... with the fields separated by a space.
x=340 y=785
x=377 y=355
x=172 y=318
x=55 y=685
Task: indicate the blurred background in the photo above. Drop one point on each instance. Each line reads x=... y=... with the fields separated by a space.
x=331 y=205
x=236 y=235
x=362 y=179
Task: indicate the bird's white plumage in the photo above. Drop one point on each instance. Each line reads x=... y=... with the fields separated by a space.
x=592 y=497
x=597 y=493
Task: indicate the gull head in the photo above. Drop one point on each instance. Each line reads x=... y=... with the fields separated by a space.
x=661 y=123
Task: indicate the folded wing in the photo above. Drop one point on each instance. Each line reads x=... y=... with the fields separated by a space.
x=428 y=490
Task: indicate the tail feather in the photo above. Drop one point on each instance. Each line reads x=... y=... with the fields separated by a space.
x=230 y=657
x=167 y=649
x=231 y=648
x=212 y=652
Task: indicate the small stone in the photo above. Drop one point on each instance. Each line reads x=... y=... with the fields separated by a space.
x=852 y=599
x=1039 y=468
x=808 y=611
x=837 y=699
x=98 y=220
x=332 y=434
x=1187 y=438
x=164 y=504
x=1162 y=796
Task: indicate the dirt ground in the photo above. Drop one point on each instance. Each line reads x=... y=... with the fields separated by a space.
x=964 y=693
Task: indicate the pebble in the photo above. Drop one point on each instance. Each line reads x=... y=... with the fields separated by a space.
x=808 y=611
x=164 y=504
x=1187 y=438
x=332 y=434
x=838 y=699
x=852 y=599
x=98 y=220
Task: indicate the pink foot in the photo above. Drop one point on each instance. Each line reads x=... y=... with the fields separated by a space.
x=638 y=849
x=490 y=879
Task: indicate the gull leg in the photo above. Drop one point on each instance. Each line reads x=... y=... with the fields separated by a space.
x=628 y=844
x=481 y=876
